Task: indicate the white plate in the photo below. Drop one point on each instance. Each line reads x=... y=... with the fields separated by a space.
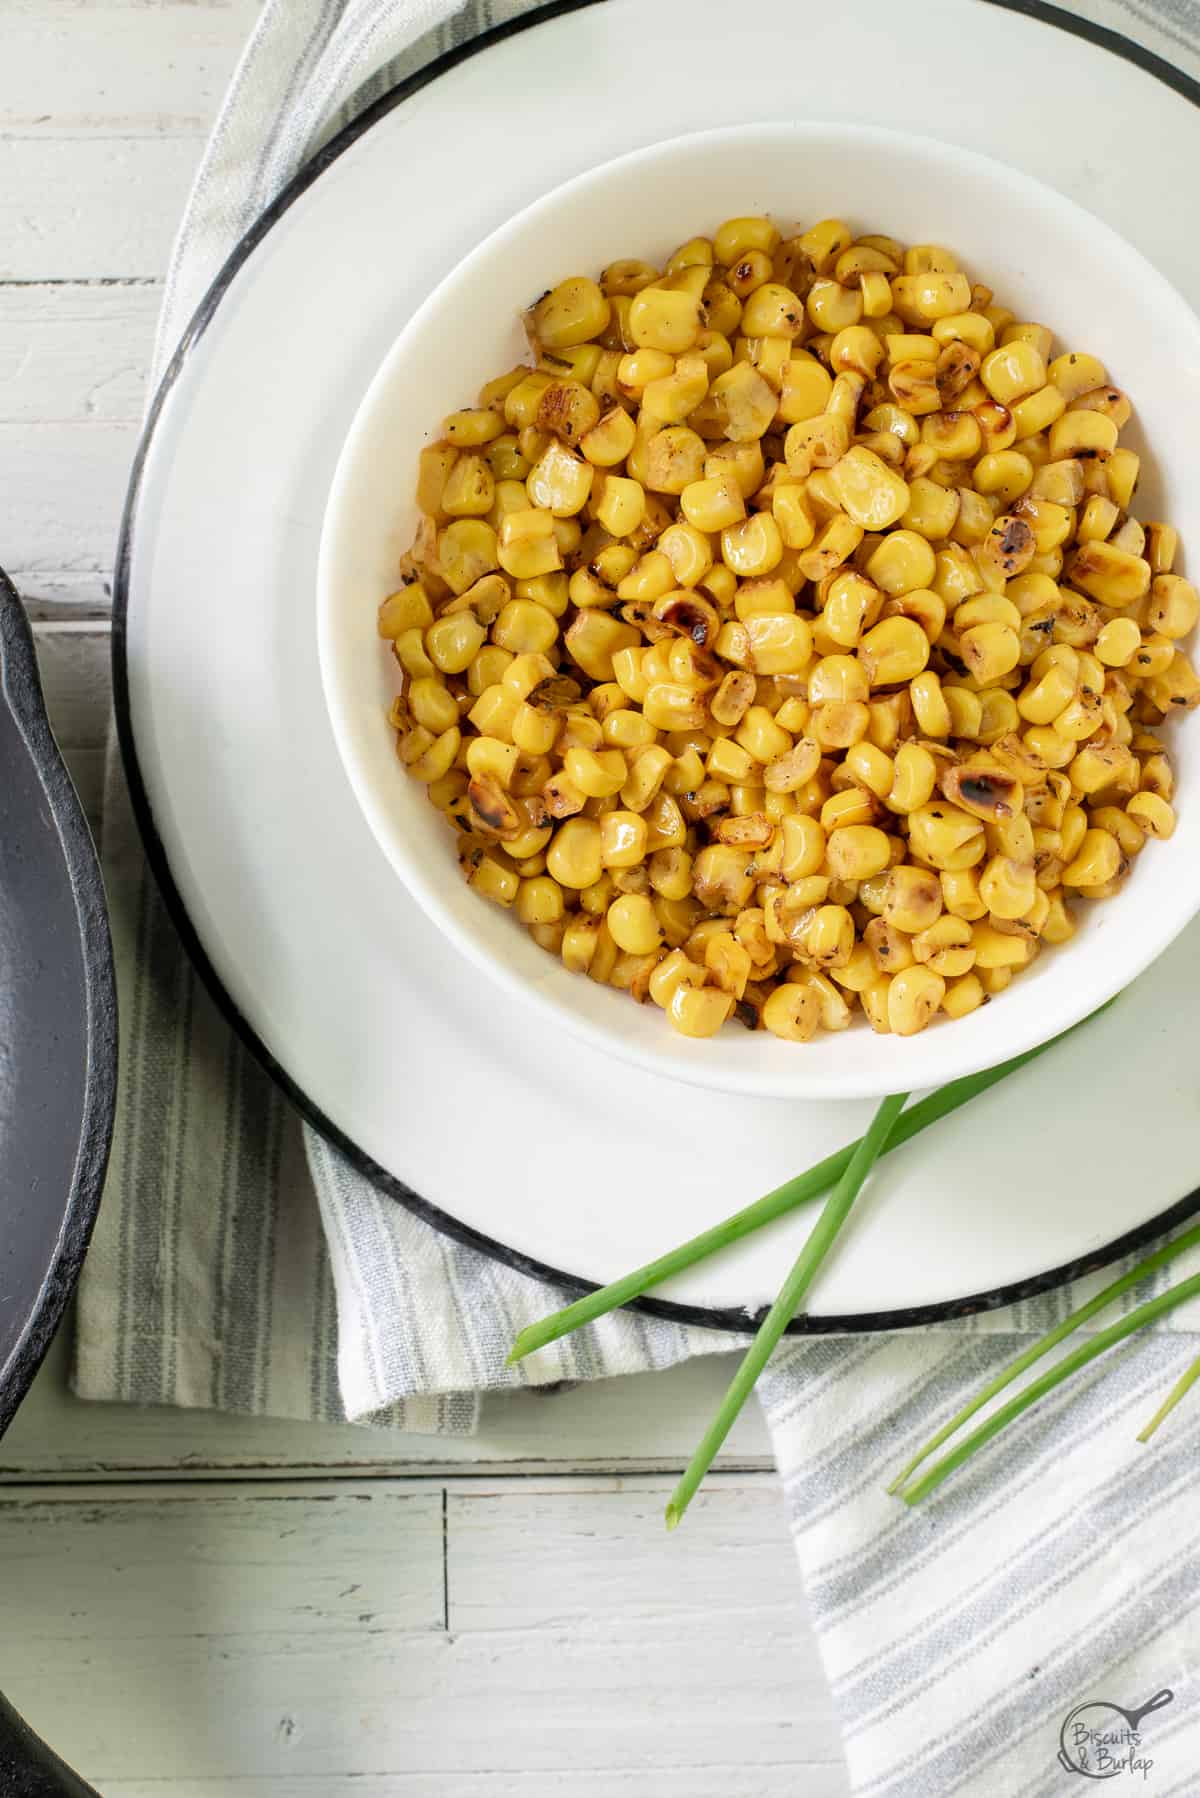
x=518 y=1137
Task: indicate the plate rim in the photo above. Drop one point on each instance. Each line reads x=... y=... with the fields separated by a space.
x=730 y=1319
x=21 y=694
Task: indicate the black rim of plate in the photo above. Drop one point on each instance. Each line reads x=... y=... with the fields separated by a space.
x=21 y=692
x=729 y=1318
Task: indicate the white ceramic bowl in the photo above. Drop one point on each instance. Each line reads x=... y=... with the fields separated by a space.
x=1046 y=258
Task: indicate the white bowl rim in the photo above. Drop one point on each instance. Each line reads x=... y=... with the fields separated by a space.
x=806 y=1080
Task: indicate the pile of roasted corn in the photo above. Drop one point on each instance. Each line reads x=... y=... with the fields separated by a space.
x=784 y=638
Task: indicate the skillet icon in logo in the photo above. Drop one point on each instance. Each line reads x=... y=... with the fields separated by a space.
x=1100 y=1740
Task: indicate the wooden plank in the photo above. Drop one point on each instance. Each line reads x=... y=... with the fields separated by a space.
x=88 y=207
x=63 y=485
x=76 y=354
x=294 y=1639
x=115 y=66
x=634 y=1424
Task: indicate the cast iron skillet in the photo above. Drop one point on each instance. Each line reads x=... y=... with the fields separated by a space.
x=58 y=1066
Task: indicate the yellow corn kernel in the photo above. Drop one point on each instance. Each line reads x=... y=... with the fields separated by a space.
x=946 y=837
x=699 y=1011
x=914 y=387
x=432 y=705
x=1151 y=813
x=566 y=410
x=453 y=641
x=595 y=638
x=1008 y=888
x=1012 y=371
x=623 y=727
x=910 y=347
x=669 y=870
x=559 y=482
x=490 y=877
x=997 y=950
x=1081 y=433
x=1076 y=373
x=902 y=563
x=894 y=650
x=857 y=851
x=438 y=756
x=990 y=651
x=832 y=307
x=803 y=846
x=752 y=546
x=829 y=938
x=929 y=705
x=409 y=650
x=610 y=440
x=647 y=771
x=960 y=894
x=573 y=312
x=633 y=924
x=793 y=516
x=794 y=768
x=660 y=319
x=805 y=387
x=1042 y=701
x=597 y=773
x=525 y=628
x=852 y=605
x=1097 y=860
x=1110 y=575
x=728 y=761
x=963 y=996
x=539 y=900
x=574 y=855
x=1038 y=410
x=912 y=899
x=1173 y=607
x=466 y=551
x=869 y=492
x=674 y=971
x=469 y=489
x=761 y=737
x=527 y=544
x=792 y=1012
x=434 y=464
x=404 y=611
x=1003 y=474
x=713 y=504
x=621 y=505
x=534 y=732
x=913 y=999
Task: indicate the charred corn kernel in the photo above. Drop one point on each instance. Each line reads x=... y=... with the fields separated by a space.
x=829 y=939
x=902 y=562
x=674 y=458
x=663 y=320
x=491 y=878
x=752 y=546
x=621 y=506
x=794 y=768
x=527 y=544
x=560 y=482
x=1110 y=575
x=815 y=443
x=1075 y=374
x=869 y=492
x=960 y=893
x=525 y=628
x=832 y=307
x=648 y=768
x=792 y=515
x=1081 y=433
x=946 y=837
x=913 y=1000
x=792 y=1012
x=946 y=947
x=699 y=1011
x=1151 y=814
x=894 y=650
x=539 y=901
x=1173 y=607
x=997 y=950
x=990 y=651
x=633 y=924
x=721 y=878
x=954 y=435
x=573 y=312
x=610 y=440
x=913 y=898
x=713 y=504
x=1098 y=766
x=404 y=611
x=469 y=488
x=857 y=851
x=996 y=426
x=1008 y=888
x=914 y=387
x=1097 y=860
x=1012 y=371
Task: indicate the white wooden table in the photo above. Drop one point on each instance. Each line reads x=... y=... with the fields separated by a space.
x=198 y=1606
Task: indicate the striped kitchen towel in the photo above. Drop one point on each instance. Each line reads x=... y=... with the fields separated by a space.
x=241 y=1263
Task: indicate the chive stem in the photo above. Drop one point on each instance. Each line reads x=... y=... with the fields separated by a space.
x=799 y=1190
x=1045 y=1343
x=1184 y=1384
x=824 y=1233
x=1045 y=1383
